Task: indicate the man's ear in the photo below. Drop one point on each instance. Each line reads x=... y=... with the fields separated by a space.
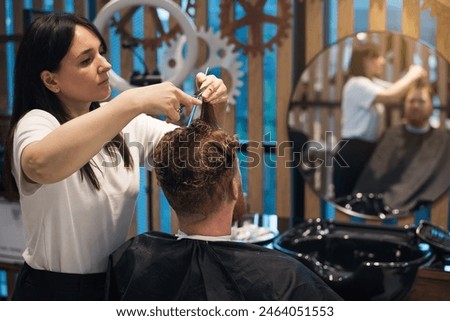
x=235 y=188
x=49 y=81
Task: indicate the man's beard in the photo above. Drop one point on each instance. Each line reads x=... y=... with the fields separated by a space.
x=240 y=209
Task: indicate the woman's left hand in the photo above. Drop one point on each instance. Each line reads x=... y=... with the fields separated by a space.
x=215 y=92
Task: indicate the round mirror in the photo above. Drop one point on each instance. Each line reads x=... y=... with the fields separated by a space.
x=407 y=166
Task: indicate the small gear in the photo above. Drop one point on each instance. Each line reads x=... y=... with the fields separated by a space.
x=221 y=55
x=255 y=19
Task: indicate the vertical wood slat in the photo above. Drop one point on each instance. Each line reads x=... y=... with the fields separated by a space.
x=443 y=47
x=340 y=79
x=18 y=28
x=411 y=18
x=126 y=67
x=18 y=20
x=99 y=4
x=314 y=38
x=58 y=5
x=155 y=218
x=284 y=85
x=345 y=28
x=396 y=113
x=407 y=220
x=439 y=211
x=255 y=128
x=150 y=54
x=81 y=7
x=230 y=115
x=324 y=93
x=311 y=79
x=153 y=190
x=126 y=55
x=377 y=15
x=201 y=19
x=442 y=85
x=325 y=119
x=345 y=18
x=38 y=4
x=411 y=28
x=442 y=34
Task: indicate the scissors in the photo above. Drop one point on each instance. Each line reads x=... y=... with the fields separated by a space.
x=197 y=95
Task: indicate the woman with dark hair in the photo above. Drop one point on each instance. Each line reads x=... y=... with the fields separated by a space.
x=363 y=99
x=76 y=163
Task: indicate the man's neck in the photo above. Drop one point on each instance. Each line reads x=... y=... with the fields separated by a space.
x=217 y=224
x=418 y=130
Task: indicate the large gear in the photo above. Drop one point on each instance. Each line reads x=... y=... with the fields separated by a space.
x=254 y=19
x=221 y=55
x=438 y=7
x=161 y=36
x=182 y=18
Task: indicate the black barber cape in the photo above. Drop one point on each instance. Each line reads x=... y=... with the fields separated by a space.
x=408 y=168
x=157 y=266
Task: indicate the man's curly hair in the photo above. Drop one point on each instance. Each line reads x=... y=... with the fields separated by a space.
x=194 y=167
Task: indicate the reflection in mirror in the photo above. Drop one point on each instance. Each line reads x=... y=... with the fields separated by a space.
x=395 y=168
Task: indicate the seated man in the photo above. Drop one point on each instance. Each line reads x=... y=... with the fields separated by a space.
x=411 y=164
x=198 y=171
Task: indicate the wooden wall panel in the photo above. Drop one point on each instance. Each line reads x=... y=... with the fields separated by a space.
x=314 y=44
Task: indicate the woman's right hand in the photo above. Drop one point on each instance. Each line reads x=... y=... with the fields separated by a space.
x=417 y=72
x=160 y=99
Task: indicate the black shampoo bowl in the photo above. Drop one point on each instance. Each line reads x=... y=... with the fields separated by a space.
x=359 y=261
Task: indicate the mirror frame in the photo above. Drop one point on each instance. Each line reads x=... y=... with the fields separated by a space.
x=298 y=102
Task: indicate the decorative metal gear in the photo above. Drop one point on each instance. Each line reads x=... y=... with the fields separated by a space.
x=182 y=18
x=438 y=7
x=221 y=55
x=254 y=19
x=161 y=34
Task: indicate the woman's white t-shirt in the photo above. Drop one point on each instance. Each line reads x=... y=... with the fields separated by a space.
x=71 y=227
x=360 y=116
